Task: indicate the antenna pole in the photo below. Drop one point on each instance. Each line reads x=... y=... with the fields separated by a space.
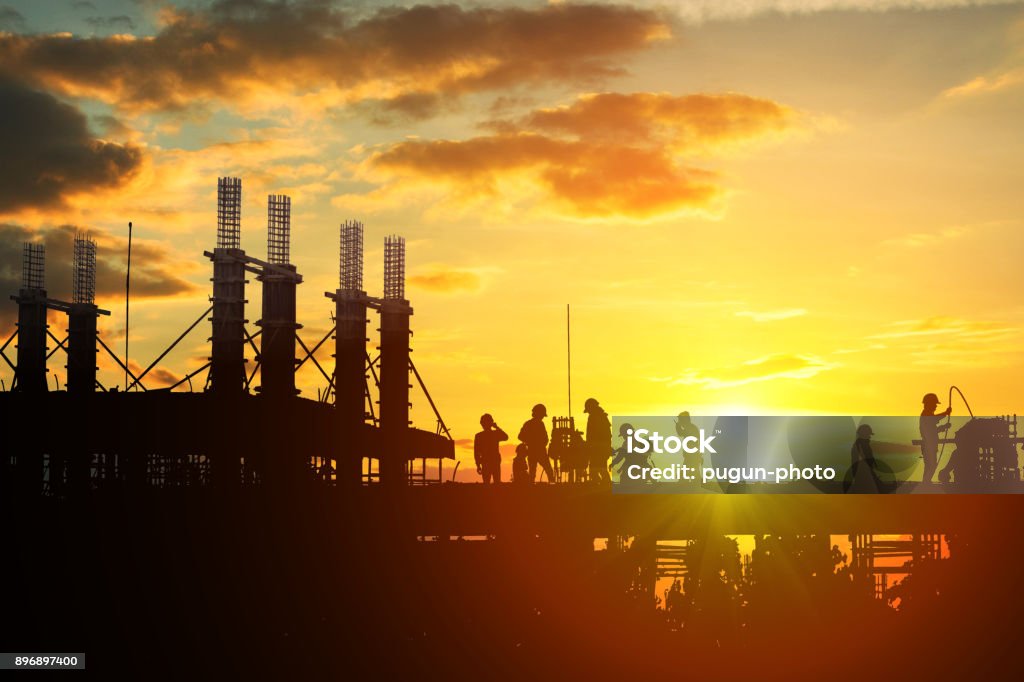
x=568 y=356
x=127 y=292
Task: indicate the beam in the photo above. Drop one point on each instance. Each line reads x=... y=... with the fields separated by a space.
x=315 y=348
x=121 y=364
x=430 y=400
x=171 y=347
x=310 y=355
x=188 y=377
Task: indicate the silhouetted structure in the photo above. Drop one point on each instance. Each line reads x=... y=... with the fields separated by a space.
x=150 y=524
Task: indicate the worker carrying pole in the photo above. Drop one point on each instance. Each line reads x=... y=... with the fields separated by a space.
x=930 y=430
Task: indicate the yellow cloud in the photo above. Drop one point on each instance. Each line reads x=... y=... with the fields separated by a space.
x=768 y=368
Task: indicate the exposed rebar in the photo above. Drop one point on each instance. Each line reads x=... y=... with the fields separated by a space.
x=351 y=256
x=279 y=227
x=394 y=268
x=33 y=266
x=83 y=285
x=229 y=213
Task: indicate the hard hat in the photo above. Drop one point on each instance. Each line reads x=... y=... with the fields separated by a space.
x=683 y=415
x=590 y=404
x=539 y=409
x=930 y=398
x=864 y=430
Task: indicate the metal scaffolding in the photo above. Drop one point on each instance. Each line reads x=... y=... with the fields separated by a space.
x=279 y=225
x=394 y=268
x=84 y=280
x=229 y=213
x=33 y=266
x=350 y=276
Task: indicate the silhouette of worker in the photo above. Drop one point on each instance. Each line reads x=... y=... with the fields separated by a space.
x=862 y=477
x=535 y=436
x=599 y=440
x=685 y=428
x=861 y=450
x=486 y=450
x=520 y=469
x=930 y=430
x=623 y=457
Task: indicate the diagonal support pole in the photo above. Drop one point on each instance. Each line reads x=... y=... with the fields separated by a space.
x=371 y=363
x=430 y=400
x=8 y=341
x=315 y=349
x=309 y=354
x=188 y=377
x=118 y=361
x=171 y=347
x=256 y=368
x=251 y=339
x=59 y=346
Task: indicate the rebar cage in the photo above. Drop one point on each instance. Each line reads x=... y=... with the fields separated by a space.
x=279 y=226
x=394 y=268
x=350 y=276
x=229 y=212
x=83 y=285
x=32 y=265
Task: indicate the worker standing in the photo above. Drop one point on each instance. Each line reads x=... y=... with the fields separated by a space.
x=930 y=430
x=685 y=428
x=535 y=436
x=599 y=440
x=486 y=450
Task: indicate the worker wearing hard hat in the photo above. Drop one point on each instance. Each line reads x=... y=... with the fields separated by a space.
x=862 y=477
x=486 y=449
x=599 y=440
x=930 y=430
x=861 y=450
x=534 y=435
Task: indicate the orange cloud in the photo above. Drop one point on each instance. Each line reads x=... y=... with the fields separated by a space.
x=682 y=121
x=157 y=377
x=603 y=155
x=402 y=57
x=445 y=280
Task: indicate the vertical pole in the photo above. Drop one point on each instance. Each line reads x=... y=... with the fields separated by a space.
x=568 y=356
x=127 y=297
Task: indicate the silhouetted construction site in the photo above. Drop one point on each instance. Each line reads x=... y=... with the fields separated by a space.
x=221 y=523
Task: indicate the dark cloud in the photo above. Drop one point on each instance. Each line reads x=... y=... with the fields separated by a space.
x=415 y=106
x=50 y=154
x=120 y=22
x=238 y=47
x=11 y=19
x=112 y=126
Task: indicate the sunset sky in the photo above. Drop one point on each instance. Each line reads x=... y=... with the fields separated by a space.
x=765 y=207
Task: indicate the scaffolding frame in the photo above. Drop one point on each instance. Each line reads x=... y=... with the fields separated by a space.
x=279 y=227
x=83 y=285
x=33 y=263
x=350 y=260
x=229 y=213
x=394 y=268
